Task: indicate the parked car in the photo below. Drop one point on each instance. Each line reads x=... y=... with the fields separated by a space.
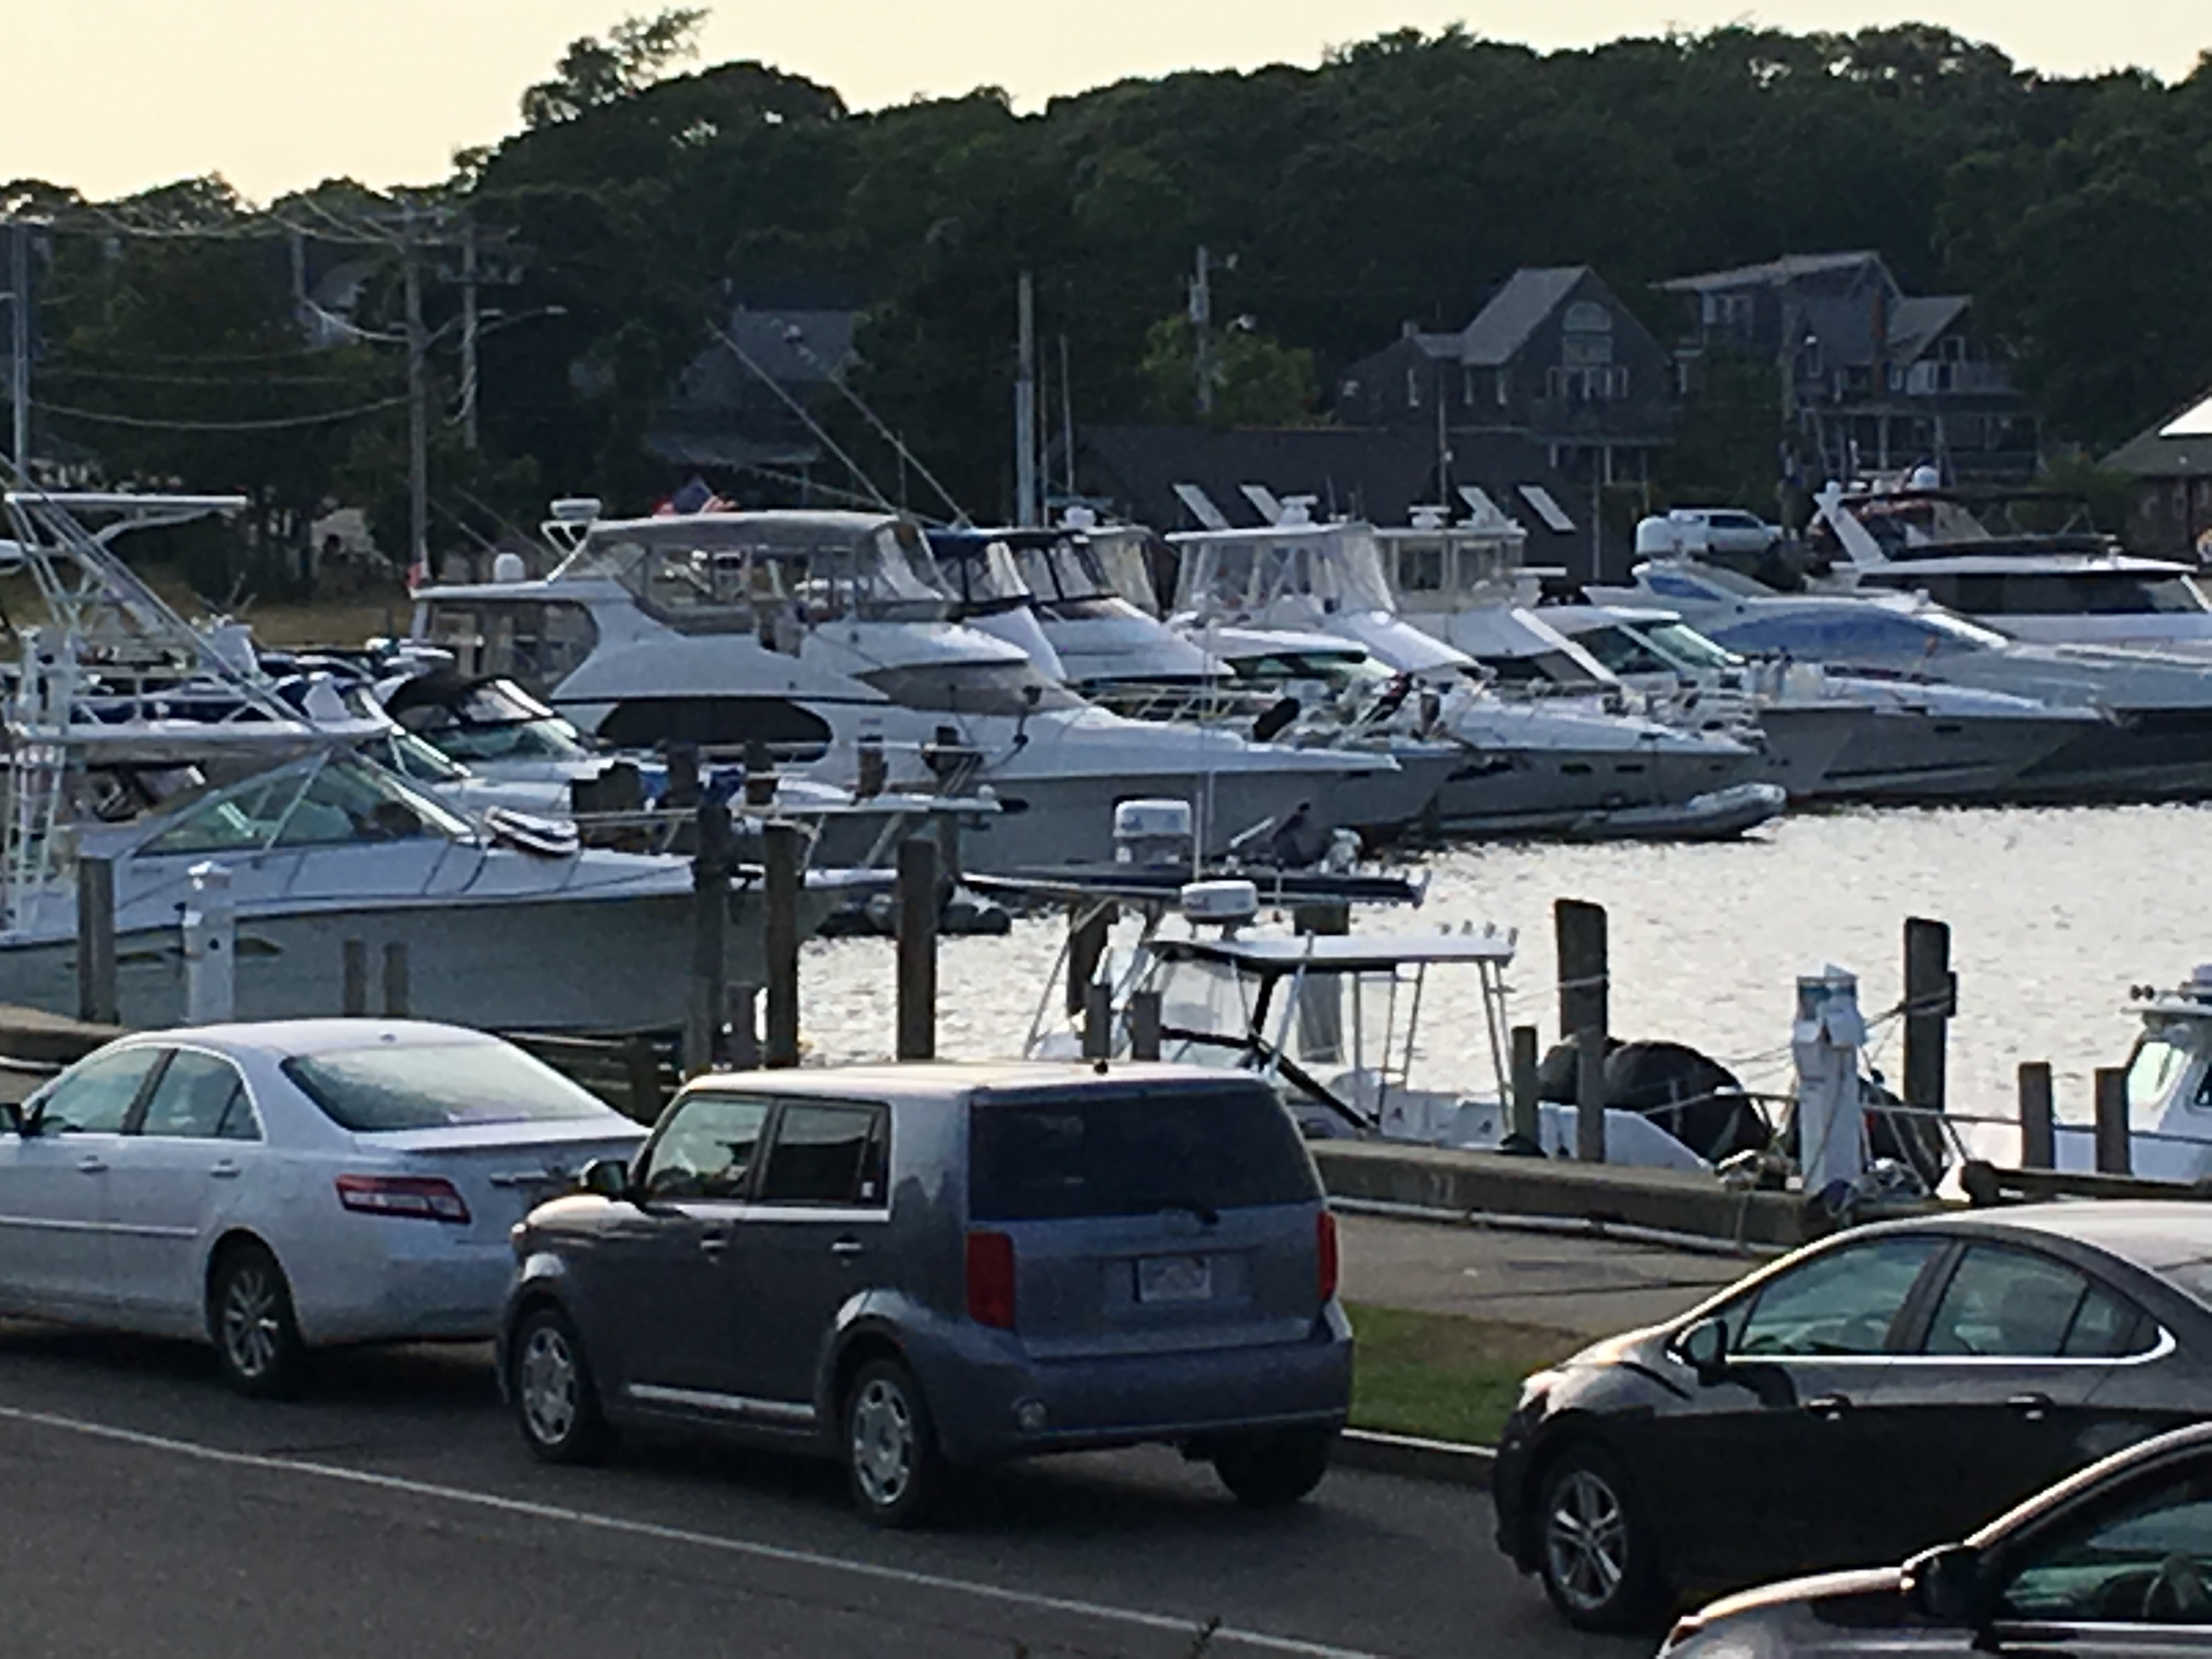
x=2115 y=1563
x=1863 y=1397
x=917 y=1267
x=286 y=1186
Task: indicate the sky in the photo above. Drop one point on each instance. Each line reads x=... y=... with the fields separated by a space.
x=110 y=96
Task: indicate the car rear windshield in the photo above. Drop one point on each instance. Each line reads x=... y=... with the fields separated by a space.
x=1101 y=1152
x=436 y=1085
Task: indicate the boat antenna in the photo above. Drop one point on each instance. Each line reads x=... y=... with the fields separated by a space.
x=859 y=473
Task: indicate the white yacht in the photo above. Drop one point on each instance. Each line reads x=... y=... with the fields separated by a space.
x=2169 y=1073
x=1536 y=767
x=2153 y=741
x=328 y=849
x=816 y=632
x=1883 y=739
x=2029 y=563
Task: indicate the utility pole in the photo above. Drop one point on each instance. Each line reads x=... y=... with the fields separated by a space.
x=468 y=332
x=1067 y=423
x=418 y=437
x=1025 y=468
x=1201 y=328
x=18 y=341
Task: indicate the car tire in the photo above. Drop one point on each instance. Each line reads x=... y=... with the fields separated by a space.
x=891 y=1460
x=1593 y=1546
x=1274 y=1471
x=251 y=1321
x=556 y=1400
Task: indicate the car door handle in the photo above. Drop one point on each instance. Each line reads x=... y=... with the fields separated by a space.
x=224 y=1170
x=2033 y=1407
x=1830 y=1405
x=91 y=1163
x=847 y=1247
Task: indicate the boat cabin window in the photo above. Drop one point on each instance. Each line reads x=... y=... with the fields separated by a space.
x=493 y=721
x=1685 y=645
x=1422 y=566
x=1850 y=631
x=983 y=576
x=1243 y=575
x=2053 y=593
x=540 y=642
x=1546 y=668
x=972 y=688
x=1071 y=579
x=2160 y=1065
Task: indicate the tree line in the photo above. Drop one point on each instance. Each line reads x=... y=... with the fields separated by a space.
x=1400 y=180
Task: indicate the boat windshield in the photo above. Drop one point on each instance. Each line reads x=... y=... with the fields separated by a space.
x=1125 y=563
x=972 y=688
x=728 y=572
x=1240 y=574
x=493 y=720
x=410 y=757
x=1622 y=651
x=333 y=801
x=2159 y=1065
x=982 y=574
x=1687 y=645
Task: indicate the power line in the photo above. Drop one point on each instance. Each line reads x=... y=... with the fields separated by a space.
x=65 y=372
x=275 y=425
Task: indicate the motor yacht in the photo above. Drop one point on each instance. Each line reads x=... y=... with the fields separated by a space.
x=818 y=633
x=2153 y=741
x=1535 y=767
x=1849 y=737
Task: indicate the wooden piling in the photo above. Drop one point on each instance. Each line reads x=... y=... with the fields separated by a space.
x=641 y=1064
x=2038 y=1140
x=353 y=987
x=1144 y=1025
x=746 y=1052
x=710 y=910
x=917 y=948
x=1589 y=1095
x=395 y=980
x=2114 y=1155
x=1930 y=1000
x=1527 y=1109
x=780 y=939
x=1580 y=932
x=96 y=994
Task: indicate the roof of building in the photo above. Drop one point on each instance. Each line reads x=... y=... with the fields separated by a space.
x=1787 y=268
x=1915 y=322
x=2179 y=446
x=1515 y=312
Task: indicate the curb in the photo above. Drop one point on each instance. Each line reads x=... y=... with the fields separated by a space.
x=1414 y=1458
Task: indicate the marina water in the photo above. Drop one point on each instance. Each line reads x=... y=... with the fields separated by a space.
x=2055 y=914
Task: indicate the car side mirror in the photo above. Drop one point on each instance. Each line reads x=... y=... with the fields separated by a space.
x=607 y=1177
x=1703 y=1348
x=1945 y=1584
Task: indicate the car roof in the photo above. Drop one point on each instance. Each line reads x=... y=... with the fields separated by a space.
x=2152 y=1233
x=285 y=1037
x=954 y=1080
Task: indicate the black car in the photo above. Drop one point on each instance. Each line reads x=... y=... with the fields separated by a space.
x=1867 y=1397
x=2115 y=1563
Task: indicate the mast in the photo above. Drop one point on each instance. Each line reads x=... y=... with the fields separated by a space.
x=1025 y=467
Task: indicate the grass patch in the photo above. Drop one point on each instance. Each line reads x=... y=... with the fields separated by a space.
x=1443 y=1375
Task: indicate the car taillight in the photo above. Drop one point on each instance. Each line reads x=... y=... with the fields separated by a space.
x=1325 y=1254
x=427 y=1198
x=991 y=1280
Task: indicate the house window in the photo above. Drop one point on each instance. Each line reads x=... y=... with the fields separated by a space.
x=1467 y=387
x=1504 y=388
x=1412 y=388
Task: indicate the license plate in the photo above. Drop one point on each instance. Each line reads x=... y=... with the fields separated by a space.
x=1174 y=1279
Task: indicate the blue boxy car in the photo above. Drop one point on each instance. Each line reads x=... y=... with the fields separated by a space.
x=917 y=1268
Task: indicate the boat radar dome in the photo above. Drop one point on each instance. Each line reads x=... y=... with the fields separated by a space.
x=1222 y=903
x=1080 y=517
x=508 y=566
x=1923 y=477
x=576 y=509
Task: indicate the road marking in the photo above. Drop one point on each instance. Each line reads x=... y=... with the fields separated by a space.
x=615 y=1523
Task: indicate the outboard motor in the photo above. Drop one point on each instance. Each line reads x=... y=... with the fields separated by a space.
x=1153 y=834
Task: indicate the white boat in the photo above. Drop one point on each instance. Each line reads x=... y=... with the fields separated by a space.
x=820 y=632
x=1840 y=736
x=2056 y=581
x=2169 y=1088
x=1535 y=767
x=1336 y=1024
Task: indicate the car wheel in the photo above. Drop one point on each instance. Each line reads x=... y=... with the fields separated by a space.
x=556 y=1401
x=1594 y=1548
x=257 y=1339
x=1270 y=1471
x=890 y=1446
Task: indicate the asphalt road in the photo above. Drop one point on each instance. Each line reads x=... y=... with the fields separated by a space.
x=395 y=1511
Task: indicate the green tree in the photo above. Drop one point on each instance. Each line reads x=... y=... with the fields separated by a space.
x=1257 y=381
x=593 y=72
